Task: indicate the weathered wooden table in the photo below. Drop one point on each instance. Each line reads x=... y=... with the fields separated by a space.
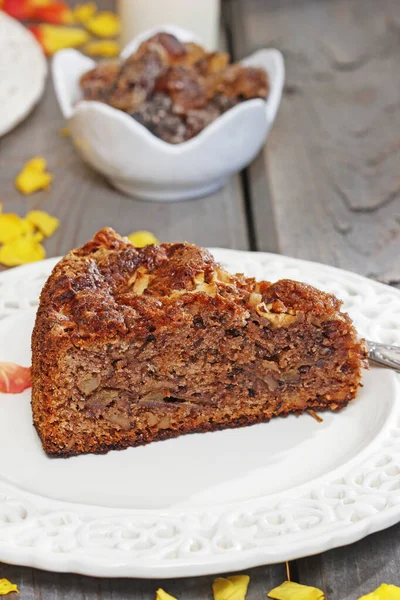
x=325 y=188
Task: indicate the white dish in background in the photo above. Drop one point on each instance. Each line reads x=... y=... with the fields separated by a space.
x=23 y=71
x=138 y=163
x=204 y=503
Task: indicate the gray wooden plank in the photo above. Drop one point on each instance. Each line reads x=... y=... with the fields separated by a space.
x=34 y=584
x=350 y=572
x=263 y=233
x=334 y=189
x=84 y=202
x=332 y=158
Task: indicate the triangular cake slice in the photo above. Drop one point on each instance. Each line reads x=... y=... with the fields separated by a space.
x=134 y=345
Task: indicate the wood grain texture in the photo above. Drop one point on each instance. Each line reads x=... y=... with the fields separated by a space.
x=34 y=584
x=331 y=161
x=330 y=179
x=84 y=202
x=350 y=572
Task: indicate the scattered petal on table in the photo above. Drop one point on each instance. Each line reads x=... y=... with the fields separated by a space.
x=103 y=48
x=6 y=586
x=46 y=224
x=384 y=592
x=21 y=251
x=33 y=176
x=83 y=12
x=56 y=37
x=104 y=24
x=50 y=11
x=19 y=9
x=27 y=227
x=161 y=595
x=11 y=227
x=14 y=379
x=231 y=588
x=289 y=590
x=142 y=238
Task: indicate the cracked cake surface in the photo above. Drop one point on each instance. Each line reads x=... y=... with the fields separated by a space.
x=133 y=345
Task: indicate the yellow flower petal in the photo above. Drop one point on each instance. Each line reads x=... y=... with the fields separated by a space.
x=57 y=37
x=161 y=595
x=103 y=48
x=27 y=227
x=289 y=590
x=142 y=238
x=104 y=24
x=384 y=592
x=11 y=227
x=231 y=588
x=6 y=587
x=36 y=164
x=33 y=176
x=83 y=12
x=21 y=251
x=43 y=221
x=37 y=236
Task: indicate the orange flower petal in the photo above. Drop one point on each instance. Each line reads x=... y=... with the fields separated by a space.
x=14 y=379
x=33 y=176
x=53 y=38
x=57 y=13
x=104 y=24
x=103 y=48
x=50 y=11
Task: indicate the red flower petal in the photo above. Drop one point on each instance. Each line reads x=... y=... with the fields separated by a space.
x=19 y=9
x=57 y=13
x=14 y=379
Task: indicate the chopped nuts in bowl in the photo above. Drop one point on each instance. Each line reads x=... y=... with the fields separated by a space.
x=168 y=144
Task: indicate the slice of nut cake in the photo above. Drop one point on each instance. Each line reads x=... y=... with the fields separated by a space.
x=135 y=345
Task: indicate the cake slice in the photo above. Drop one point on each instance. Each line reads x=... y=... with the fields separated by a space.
x=134 y=345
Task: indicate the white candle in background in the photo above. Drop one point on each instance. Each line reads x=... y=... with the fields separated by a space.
x=199 y=16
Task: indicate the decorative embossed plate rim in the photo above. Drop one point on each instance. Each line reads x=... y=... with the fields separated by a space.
x=338 y=508
x=23 y=72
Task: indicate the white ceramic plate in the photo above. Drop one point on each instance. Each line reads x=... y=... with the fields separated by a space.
x=204 y=503
x=23 y=71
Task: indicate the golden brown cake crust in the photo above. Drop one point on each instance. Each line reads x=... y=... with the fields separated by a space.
x=109 y=294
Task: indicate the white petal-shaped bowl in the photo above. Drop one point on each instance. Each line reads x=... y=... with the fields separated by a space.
x=137 y=162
